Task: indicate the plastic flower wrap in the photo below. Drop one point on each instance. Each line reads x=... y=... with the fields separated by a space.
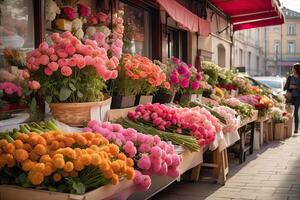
x=138 y=75
x=196 y=122
x=151 y=155
x=232 y=122
x=70 y=71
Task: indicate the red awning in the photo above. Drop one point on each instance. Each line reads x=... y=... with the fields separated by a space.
x=185 y=18
x=246 y=14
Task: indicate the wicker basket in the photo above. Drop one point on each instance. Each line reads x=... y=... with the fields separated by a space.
x=75 y=114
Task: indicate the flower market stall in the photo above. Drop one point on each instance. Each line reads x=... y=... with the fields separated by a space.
x=91 y=114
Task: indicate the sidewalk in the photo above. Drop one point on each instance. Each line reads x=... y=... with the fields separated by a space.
x=269 y=174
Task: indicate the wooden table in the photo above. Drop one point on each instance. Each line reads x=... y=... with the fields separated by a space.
x=246 y=129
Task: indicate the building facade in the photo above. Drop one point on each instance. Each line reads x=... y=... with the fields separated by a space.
x=283 y=44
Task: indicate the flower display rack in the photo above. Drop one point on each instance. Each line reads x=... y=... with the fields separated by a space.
x=246 y=142
x=219 y=165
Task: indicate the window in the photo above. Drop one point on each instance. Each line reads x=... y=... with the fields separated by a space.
x=249 y=59
x=276 y=47
x=291 y=29
x=137 y=37
x=291 y=47
x=16 y=30
x=241 y=57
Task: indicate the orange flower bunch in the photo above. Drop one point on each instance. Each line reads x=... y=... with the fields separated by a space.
x=137 y=67
x=57 y=155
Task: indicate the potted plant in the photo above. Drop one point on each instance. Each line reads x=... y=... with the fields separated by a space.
x=137 y=75
x=71 y=76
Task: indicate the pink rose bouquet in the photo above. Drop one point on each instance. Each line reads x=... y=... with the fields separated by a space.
x=151 y=155
x=70 y=71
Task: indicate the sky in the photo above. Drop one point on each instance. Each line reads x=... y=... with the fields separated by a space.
x=291 y=4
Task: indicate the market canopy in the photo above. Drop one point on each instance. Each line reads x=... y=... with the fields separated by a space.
x=185 y=18
x=246 y=14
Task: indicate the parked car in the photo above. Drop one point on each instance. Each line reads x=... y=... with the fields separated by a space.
x=276 y=83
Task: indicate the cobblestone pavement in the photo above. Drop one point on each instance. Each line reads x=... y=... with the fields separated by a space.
x=271 y=173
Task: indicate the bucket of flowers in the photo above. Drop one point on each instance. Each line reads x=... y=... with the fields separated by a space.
x=137 y=76
x=185 y=79
x=71 y=76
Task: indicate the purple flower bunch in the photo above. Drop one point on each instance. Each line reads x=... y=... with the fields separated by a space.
x=151 y=155
x=184 y=77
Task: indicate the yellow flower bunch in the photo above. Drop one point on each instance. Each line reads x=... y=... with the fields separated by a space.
x=219 y=92
x=266 y=101
x=57 y=155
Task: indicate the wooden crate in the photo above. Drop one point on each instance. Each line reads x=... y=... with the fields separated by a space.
x=280 y=131
x=289 y=124
x=268 y=131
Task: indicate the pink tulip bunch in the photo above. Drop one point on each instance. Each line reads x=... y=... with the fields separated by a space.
x=232 y=123
x=67 y=53
x=152 y=156
x=195 y=121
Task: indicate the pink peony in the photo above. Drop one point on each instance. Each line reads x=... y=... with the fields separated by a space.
x=84 y=10
x=66 y=71
x=43 y=47
x=144 y=162
x=184 y=83
x=53 y=57
x=48 y=71
x=182 y=70
x=43 y=59
x=53 y=66
x=70 y=49
x=34 y=85
x=195 y=85
x=69 y=13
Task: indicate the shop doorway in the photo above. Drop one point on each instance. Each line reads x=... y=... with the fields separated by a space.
x=221 y=55
x=177 y=43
